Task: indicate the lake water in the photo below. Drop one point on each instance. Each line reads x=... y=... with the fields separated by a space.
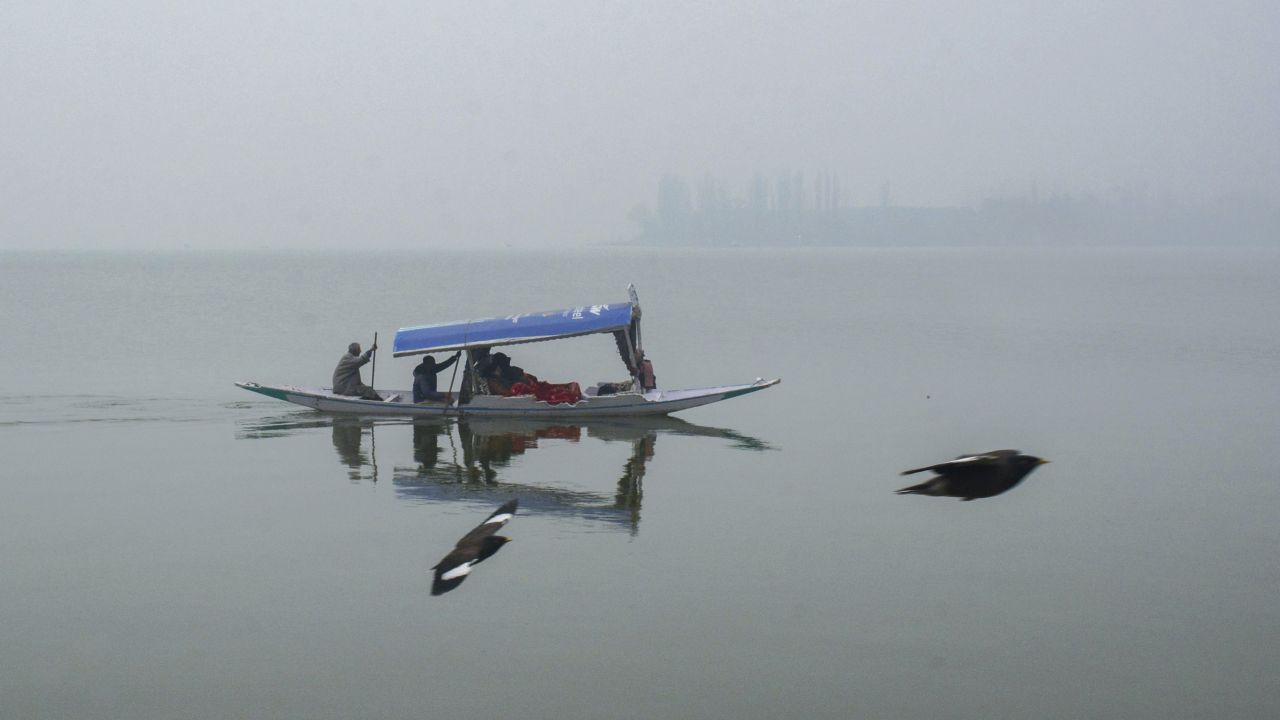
x=175 y=547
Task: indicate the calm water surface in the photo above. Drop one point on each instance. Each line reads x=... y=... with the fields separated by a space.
x=176 y=547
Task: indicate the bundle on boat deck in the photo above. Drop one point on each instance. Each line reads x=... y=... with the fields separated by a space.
x=551 y=393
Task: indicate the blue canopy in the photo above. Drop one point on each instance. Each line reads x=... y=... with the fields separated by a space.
x=513 y=329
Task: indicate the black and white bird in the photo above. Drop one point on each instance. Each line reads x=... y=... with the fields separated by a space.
x=474 y=547
x=970 y=477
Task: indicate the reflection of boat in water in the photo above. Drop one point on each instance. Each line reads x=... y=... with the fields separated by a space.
x=348 y=433
x=472 y=459
x=635 y=397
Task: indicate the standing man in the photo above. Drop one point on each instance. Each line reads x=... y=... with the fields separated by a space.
x=424 y=378
x=346 y=377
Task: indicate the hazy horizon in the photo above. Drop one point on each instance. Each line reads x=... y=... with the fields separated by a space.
x=405 y=125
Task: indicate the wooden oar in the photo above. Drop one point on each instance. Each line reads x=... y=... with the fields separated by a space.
x=465 y=333
x=373 y=449
x=451 y=379
x=373 y=373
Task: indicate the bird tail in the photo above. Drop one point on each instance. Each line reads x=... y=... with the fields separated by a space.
x=922 y=469
x=921 y=489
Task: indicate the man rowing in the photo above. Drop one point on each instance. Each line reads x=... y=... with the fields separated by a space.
x=424 y=379
x=346 y=377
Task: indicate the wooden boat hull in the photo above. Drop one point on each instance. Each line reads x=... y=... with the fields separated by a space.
x=654 y=402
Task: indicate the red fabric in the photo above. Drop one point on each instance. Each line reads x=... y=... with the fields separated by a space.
x=572 y=433
x=553 y=393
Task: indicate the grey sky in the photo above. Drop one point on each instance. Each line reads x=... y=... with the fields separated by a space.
x=304 y=124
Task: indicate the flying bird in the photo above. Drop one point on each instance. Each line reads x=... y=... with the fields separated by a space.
x=969 y=477
x=474 y=547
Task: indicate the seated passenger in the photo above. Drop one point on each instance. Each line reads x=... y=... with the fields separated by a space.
x=647 y=379
x=510 y=374
x=502 y=374
x=513 y=380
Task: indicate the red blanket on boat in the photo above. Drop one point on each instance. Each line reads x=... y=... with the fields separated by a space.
x=553 y=393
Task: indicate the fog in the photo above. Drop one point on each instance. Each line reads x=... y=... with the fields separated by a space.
x=424 y=125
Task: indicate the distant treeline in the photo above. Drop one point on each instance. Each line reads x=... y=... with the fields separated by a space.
x=787 y=210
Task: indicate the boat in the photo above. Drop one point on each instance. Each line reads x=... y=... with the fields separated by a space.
x=630 y=398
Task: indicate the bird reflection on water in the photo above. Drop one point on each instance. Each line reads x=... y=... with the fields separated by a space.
x=470 y=459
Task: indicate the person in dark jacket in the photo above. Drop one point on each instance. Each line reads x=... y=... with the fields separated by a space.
x=502 y=374
x=424 y=378
x=346 y=376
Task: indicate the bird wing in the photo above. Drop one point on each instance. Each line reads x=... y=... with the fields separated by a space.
x=987 y=458
x=504 y=513
x=491 y=524
x=450 y=572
